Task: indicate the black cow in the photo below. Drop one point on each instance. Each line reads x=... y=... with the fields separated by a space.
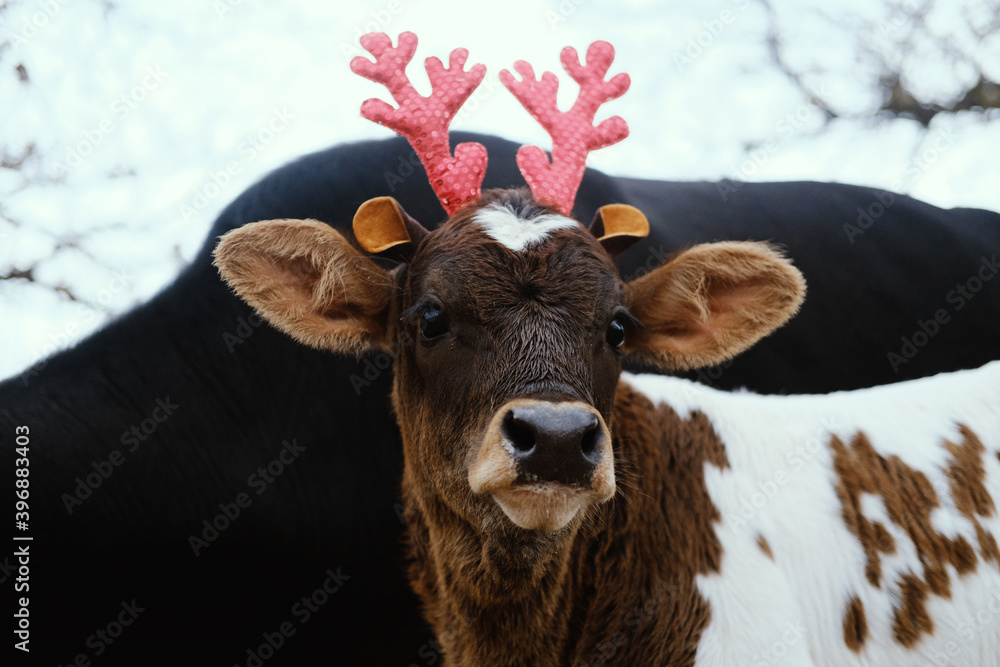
x=188 y=410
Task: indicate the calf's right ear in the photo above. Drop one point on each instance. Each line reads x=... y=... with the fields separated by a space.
x=307 y=280
x=711 y=302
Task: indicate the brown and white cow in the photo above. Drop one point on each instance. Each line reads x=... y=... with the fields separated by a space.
x=560 y=513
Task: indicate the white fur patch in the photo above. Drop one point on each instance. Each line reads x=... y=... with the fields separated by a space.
x=780 y=485
x=504 y=226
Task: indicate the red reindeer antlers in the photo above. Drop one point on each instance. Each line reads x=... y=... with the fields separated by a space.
x=573 y=134
x=424 y=120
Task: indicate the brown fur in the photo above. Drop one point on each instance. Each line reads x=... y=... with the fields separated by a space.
x=967 y=479
x=619 y=586
x=307 y=280
x=909 y=500
x=855 y=625
x=534 y=324
x=765 y=547
x=711 y=302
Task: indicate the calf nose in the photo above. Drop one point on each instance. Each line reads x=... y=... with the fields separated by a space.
x=554 y=442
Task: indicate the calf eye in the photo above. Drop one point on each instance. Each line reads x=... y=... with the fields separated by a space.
x=616 y=333
x=433 y=324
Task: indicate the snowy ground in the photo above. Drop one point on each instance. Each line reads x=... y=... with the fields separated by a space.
x=148 y=118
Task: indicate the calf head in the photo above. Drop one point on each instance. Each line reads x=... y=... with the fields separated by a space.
x=509 y=322
x=508 y=325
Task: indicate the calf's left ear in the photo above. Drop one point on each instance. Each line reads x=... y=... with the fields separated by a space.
x=307 y=280
x=618 y=226
x=382 y=227
x=711 y=302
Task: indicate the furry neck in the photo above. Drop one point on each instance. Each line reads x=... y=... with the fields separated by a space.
x=617 y=586
x=484 y=588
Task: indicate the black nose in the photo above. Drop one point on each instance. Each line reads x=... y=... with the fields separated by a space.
x=554 y=442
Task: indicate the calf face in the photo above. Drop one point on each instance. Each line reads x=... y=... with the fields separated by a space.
x=508 y=325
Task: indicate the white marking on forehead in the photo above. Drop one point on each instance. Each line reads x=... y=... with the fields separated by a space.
x=504 y=226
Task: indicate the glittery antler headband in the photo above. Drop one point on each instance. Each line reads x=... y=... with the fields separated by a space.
x=424 y=121
x=573 y=133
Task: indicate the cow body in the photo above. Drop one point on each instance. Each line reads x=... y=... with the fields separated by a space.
x=243 y=389
x=857 y=528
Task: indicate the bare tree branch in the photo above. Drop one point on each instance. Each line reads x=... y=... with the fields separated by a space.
x=29 y=276
x=775 y=50
x=886 y=45
x=9 y=162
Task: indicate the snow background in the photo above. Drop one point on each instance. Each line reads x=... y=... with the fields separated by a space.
x=129 y=114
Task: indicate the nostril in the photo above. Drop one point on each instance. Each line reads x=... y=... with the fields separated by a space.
x=591 y=441
x=520 y=434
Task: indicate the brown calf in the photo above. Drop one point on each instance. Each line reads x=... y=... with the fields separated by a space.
x=507 y=359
